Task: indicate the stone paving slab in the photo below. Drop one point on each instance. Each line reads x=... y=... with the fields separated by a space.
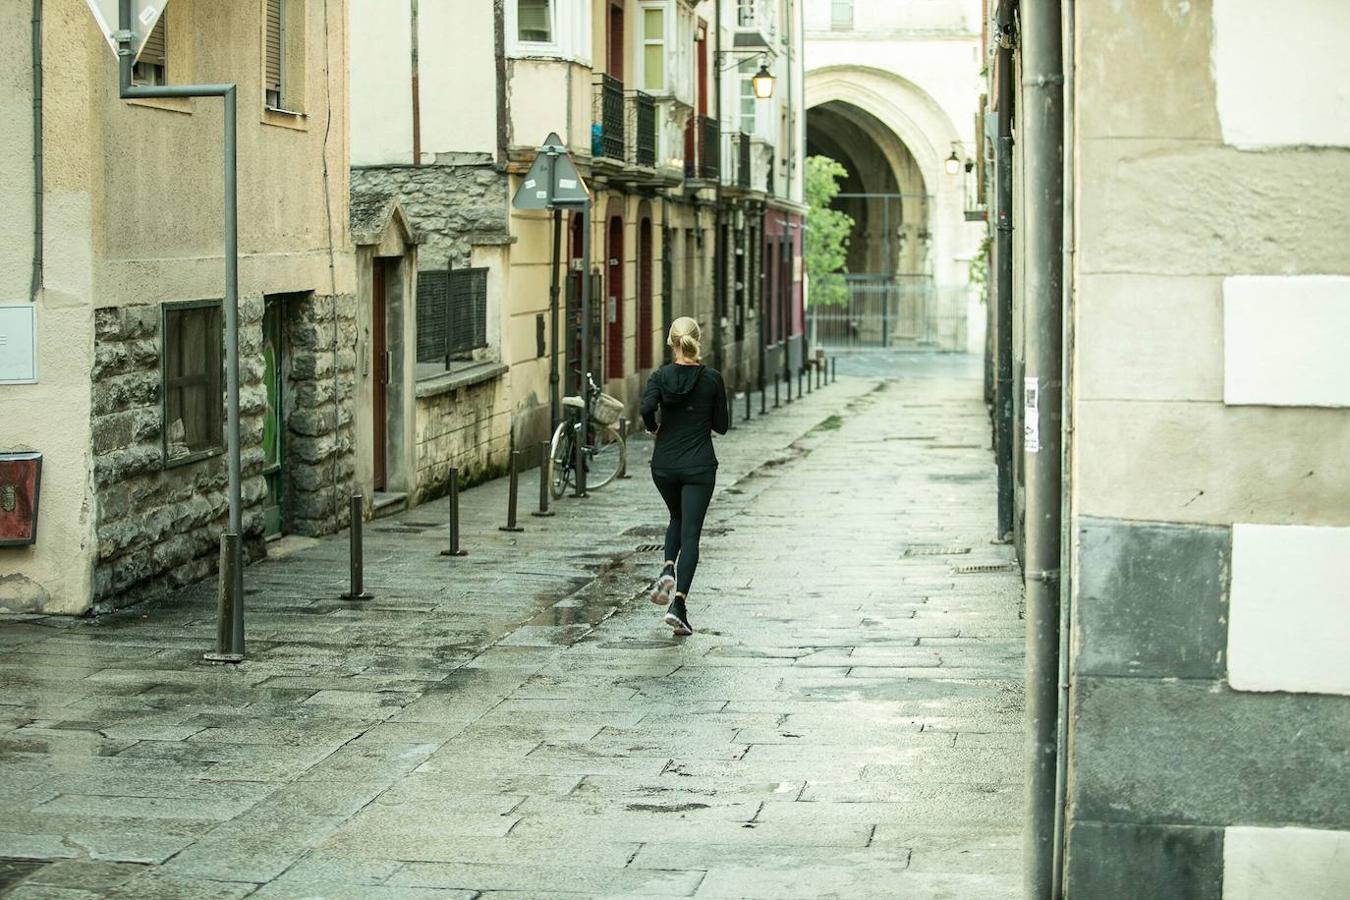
x=518 y=723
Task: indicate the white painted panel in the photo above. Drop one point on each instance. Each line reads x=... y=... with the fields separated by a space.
x=1266 y=863
x=457 y=74
x=1286 y=340
x=18 y=343
x=380 y=82
x=1289 y=609
x=1282 y=79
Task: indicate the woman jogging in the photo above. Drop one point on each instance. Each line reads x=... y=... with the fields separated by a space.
x=693 y=404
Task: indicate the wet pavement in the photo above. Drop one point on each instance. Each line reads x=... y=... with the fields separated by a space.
x=518 y=722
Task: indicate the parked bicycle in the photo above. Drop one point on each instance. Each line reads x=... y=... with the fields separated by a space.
x=603 y=451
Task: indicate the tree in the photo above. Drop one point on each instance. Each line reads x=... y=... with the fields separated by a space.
x=827 y=233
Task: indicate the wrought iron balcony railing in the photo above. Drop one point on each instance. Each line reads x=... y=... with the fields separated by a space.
x=642 y=126
x=607 y=129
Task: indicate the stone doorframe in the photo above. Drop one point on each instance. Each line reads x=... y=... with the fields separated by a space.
x=381 y=230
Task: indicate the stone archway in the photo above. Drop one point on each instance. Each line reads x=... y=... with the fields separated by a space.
x=894 y=138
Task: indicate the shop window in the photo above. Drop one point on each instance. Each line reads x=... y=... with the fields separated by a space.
x=193 y=404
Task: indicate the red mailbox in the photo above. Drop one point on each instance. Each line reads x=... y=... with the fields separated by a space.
x=20 y=481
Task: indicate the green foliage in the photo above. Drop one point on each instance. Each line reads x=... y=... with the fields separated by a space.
x=979 y=268
x=827 y=233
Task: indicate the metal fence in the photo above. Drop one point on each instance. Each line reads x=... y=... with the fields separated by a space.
x=451 y=315
x=879 y=311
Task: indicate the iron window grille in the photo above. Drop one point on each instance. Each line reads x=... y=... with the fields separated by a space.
x=607 y=132
x=451 y=317
x=191 y=366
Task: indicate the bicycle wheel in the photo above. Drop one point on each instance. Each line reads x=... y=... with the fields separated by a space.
x=605 y=458
x=560 y=460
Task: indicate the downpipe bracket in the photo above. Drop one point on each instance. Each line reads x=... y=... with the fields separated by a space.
x=1045 y=576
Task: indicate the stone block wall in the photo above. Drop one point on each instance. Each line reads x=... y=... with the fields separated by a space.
x=468 y=428
x=320 y=393
x=449 y=204
x=158 y=526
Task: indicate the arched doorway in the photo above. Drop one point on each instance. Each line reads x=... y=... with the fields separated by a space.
x=646 y=252
x=614 y=292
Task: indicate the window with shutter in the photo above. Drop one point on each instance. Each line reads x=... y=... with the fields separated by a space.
x=534 y=21
x=841 y=15
x=274 y=49
x=152 y=65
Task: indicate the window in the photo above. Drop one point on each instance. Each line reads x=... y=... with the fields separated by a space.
x=451 y=317
x=274 y=55
x=841 y=15
x=653 y=49
x=534 y=21
x=193 y=405
x=747 y=71
x=152 y=65
x=745 y=13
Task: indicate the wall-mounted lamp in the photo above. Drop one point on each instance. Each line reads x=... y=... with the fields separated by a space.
x=762 y=82
x=953 y=163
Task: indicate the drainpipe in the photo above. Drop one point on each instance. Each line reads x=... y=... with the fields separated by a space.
x=1003 y=272
x=36 y=284
x=128 y=91
x=1066 y=471
x=416 y=91
x=1042 y=114
x=503 y=116
x=719 y=250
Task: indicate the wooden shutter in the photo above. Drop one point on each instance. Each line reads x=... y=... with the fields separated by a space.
x=153 y=52
x=272 y=48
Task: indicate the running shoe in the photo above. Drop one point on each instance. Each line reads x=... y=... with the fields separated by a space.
x=677 y=617
x=661 y=591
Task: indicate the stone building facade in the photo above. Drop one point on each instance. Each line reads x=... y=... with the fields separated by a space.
x=129 y=240
x=1194 y=229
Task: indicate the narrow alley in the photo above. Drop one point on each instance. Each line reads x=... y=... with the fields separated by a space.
x=845 y=721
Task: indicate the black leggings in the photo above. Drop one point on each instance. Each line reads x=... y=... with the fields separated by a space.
x=687 y=495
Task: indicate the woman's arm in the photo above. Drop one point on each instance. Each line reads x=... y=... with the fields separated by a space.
x=651 y=399
x=720 y=413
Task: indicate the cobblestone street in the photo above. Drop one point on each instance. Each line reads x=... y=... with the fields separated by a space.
x=519 y=722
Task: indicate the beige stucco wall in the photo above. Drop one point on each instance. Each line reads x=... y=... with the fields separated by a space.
x=1166 y=207
x=134 y=211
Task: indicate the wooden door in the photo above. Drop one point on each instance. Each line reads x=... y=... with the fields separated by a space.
x=274 y=420
x=644 y=310
x=614 y=299
x=614 y=37
x=379 y=353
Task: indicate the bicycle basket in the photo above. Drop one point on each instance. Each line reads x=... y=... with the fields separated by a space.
x=606 y=409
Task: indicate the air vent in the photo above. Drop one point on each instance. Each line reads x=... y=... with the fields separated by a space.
x=935 y=550
x=983 y=569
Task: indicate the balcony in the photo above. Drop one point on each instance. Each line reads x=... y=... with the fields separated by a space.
x=607 y=129
x=642 y=125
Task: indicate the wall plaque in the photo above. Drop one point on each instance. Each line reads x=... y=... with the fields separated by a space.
x=20 y=482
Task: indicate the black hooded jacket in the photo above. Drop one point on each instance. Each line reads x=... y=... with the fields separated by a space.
x=692 y=401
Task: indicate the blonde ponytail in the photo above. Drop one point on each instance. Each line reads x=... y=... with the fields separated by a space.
x=684 y=338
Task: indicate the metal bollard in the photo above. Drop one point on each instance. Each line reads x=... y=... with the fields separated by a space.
x=580 y=459
x=543 y=509
x=623 y=433
x=763 y=397
x=787 y=385
x=775 y=392
x=512 y=495
x=230 y=625
x=357 y=589
x=808 y=381
x=834 y=371
x=799 y=384
x=747 y=403
x=454 y=517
